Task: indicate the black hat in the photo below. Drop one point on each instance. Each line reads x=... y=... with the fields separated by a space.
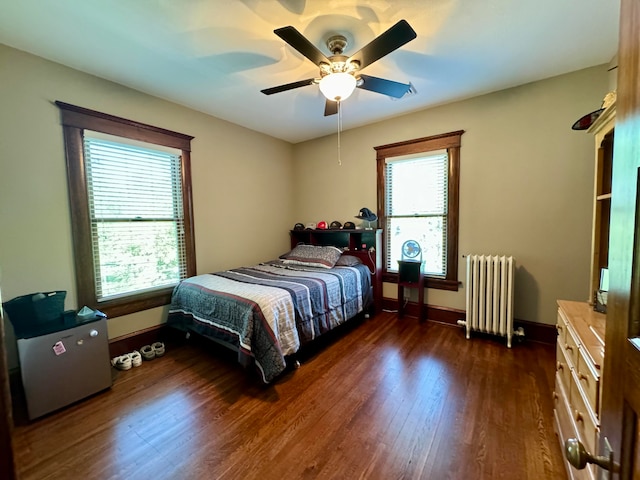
x=366 y=214
x=335 y=225
x=298 y=226
x=349 y=226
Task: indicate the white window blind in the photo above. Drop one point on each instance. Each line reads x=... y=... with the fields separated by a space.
x=416 y=208
x=136 y=211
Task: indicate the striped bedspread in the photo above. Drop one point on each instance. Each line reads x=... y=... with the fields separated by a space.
x=268 y=311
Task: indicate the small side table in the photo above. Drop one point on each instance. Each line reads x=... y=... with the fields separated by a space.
x=410 y=276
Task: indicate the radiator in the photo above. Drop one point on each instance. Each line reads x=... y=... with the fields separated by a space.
x=489 y=291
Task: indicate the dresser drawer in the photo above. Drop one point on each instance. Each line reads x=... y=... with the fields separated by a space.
x=561 y=327
x=589 y=380
x=579 y=356
x=570 y=346
x=583 y=416
x=563 y=369
x=566 y=428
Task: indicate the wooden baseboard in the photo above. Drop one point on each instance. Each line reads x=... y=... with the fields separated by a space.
x=536 y=332
x=136 y=340
x=433 y=312
x=533 y=331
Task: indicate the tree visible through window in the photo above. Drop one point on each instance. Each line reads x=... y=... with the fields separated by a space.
x=130 y=195
x=418 y=200
x=135 y=204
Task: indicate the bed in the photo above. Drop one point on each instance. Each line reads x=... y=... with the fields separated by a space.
x=267 y=312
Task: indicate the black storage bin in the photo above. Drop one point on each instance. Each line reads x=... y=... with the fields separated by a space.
x=35 y=313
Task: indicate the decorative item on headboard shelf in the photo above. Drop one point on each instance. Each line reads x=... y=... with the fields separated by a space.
x=368 y=216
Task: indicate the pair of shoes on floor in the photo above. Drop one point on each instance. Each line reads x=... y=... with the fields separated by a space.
x=122 y=362
x=136 y=358
x=128 y=360
x=149 y=352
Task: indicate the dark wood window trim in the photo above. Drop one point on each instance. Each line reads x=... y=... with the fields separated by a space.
x=451 y=142
x=74 y=121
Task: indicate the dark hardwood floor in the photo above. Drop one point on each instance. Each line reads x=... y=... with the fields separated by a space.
x=383 y=399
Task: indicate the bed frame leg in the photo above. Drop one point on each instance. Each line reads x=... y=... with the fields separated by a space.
x=292 y=362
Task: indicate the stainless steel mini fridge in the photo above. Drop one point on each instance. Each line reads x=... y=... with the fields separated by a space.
x=65 y=366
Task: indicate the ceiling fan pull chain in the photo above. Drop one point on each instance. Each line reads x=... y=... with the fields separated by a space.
x=339 y=129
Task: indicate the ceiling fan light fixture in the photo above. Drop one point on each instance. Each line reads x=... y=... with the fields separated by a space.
x=337 y=86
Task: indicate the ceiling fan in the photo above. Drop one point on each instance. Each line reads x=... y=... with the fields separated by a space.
x=340 y=75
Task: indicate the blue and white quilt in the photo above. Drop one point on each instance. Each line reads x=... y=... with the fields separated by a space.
x=269 y=310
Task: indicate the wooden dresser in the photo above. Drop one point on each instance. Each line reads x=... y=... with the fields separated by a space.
x=581 y=330
x=577 y=394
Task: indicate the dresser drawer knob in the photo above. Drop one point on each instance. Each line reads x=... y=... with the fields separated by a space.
x=582 y=376
x=559 y=366
x=578 y=416
x=568 y=347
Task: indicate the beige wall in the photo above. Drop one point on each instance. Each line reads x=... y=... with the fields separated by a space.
x=242 y=181
x=526 y=182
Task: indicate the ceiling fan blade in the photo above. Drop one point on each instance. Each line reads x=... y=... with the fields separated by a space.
x=387 y=42
x=294 y=38
x=330 y=108
x=385 y=87
x=288 y=86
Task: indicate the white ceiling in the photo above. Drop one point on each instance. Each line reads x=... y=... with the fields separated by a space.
x=216 y=55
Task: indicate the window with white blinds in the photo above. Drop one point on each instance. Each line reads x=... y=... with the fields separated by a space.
x=136 y=215
x=131 y=210
x=416 y=189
